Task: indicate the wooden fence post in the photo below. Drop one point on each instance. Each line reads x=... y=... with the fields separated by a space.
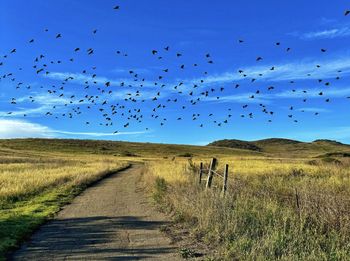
x=224 y=186
x=210 y=173
x=200 y=172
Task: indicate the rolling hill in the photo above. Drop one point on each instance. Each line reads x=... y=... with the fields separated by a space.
x=286 y=147
x=274 y=147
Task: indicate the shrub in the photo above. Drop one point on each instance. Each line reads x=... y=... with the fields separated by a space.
x=160 y=189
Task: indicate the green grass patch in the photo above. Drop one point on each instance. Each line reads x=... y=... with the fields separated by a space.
x=160 y=189
x=20 y=219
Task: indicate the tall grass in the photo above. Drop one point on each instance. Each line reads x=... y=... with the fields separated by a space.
x=21 y=179
x=259 y=218
x=33 y=188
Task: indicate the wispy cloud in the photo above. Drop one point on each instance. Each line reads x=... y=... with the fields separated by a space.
x=306 y=69
x=42 y=104
x=299 y=70
x=270 y=97
x=45 y=99
x=313 y=93
x=81 y=78
x=97 y=134
x=137 y=70
x=14 y=128
x=240 y=98
x=120 y=93
x=327 y=33
x=314 y=109
x=38 y=111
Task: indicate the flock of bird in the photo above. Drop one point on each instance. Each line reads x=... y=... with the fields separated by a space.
x=129 y=110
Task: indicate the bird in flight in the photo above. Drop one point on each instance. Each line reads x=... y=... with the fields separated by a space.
x=98 y=93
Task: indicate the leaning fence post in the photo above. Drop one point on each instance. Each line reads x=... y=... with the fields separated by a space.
x=210 y=173
x=200 y=172
x=224 y=187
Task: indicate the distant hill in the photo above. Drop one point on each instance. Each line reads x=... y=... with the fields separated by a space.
x=116 y=148
x=236 y=144
x=286 y=147
x=324 y=141
x=275 y=141
x=274 y=147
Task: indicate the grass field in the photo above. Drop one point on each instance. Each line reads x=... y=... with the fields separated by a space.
x=258 y=219
x=34 y=185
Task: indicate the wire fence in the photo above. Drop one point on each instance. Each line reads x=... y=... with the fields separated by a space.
x=326 y=203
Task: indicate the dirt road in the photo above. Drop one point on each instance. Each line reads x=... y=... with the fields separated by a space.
x=112 y=220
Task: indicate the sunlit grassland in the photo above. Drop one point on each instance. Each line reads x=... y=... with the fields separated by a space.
x=34 y=185
x=259 y=218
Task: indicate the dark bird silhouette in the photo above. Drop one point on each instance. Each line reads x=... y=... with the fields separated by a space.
x=347 y=12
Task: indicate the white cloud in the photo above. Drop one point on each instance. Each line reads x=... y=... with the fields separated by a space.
x=118 y=94
x=298 y=70
x=329 y=33
x=269 y=98
x=313 y=109
x=45 y=99
x=240 y=98
x=295 y=70
x=26 y=111
x=82 y=78
x=313 y=93
x=23 y=129
x=97 y=134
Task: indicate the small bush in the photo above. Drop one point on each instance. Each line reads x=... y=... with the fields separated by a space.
x=297 y=172
x=128 y=154
x=187 y=253
x=331 y=160
x=160 y=189
x=186 y=155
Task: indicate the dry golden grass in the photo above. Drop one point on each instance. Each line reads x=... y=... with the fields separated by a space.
x=33 y=186
x=23 y=177
x=259 y=218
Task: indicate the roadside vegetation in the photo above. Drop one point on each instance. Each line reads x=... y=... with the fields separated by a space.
x=33 y=187
x=260 y=218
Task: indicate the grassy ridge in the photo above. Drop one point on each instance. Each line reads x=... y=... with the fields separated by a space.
x=116 y=148
x=285 y=147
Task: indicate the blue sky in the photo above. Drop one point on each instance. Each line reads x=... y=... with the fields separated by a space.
x=193 y=28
